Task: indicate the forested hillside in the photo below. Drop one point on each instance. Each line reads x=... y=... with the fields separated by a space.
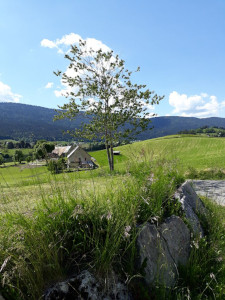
x=27 y=122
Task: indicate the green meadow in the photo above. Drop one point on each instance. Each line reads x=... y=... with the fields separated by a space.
x=192 y=151
x=49 y=223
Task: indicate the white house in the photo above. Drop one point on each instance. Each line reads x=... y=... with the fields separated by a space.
x=76 y=156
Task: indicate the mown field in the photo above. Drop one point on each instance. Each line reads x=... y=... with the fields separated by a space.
x=44 y=217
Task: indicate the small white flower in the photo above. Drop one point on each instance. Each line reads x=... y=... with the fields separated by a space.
x=126 y=234
x=127 y=228
x=126 y=231
x=109 y=216
x=212 y=276
x=195 y=243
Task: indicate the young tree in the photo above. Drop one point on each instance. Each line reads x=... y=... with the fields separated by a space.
x=10 y=145
x=1 y=159
x=100 y=87
x=18 y=156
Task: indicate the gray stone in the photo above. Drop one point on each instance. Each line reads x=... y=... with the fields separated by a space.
x=164 y=248
x=86 y=286
x=191 y=205
x=178 y=239
x=192 y=219
x=192 y=199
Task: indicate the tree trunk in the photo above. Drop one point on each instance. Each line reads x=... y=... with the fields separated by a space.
x=108 y=155
x=112 y=156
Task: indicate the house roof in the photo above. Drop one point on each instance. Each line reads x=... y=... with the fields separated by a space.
x=61 y=150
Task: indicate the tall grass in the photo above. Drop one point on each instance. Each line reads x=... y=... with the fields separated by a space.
x=90 y=220
x=73 y=230
x=204 y=275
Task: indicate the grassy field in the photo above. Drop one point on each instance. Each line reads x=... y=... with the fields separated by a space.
x=47 y=218
x=192 y=151
x=200 y=153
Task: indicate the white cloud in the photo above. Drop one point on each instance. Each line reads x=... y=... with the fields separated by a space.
x=200 y=106
x=47 y=43
x=69 y=39
x=64 y=43
x=6 y=95
x=96 y=45
x=49 y=85
x=204 y=95
x=147 y=106
x=58 y=93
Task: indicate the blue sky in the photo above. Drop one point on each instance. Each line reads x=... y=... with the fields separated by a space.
x=178 y=44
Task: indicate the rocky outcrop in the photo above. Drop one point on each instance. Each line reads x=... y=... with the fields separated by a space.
x=192 y=206
x=86 y=286
x=162 y=249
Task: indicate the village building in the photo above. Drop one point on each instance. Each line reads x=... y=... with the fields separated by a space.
x=76 y=156
x=79 y=157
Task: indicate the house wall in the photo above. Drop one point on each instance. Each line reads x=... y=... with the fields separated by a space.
x=78 y=157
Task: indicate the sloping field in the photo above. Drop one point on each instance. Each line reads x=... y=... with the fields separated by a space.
x=197 y=152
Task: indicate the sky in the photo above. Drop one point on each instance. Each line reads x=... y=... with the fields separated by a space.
x=179 y=46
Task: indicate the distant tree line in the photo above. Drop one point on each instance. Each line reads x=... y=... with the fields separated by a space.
x=38 y=150
x=18 y=145
x=212 y=131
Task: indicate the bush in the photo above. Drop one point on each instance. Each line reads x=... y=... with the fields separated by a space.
x=1 y=159
x=29 y=158
x=18 y=156
x=56 y=166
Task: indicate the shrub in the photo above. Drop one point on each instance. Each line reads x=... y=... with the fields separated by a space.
x=1 y=159
x=56 y=166
x=29 y=158
x=18 y=156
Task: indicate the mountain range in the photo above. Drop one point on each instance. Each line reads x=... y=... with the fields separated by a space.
x=28 y=122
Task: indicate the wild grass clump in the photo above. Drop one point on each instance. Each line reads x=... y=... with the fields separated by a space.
x=210 y=174
x=70 y=231
x=204 y=276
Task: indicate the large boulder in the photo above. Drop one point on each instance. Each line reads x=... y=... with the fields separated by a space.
x=86 y=286
x=161 y=249
x=192 y=206
x=178 y=239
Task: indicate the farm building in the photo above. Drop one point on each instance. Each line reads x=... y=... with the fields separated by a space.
x=76 y=156
x=79 y=157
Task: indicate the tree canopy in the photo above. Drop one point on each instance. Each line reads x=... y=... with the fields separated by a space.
x=18 y=156
x=1 y=159
x=42 y=148
x=99 y=85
